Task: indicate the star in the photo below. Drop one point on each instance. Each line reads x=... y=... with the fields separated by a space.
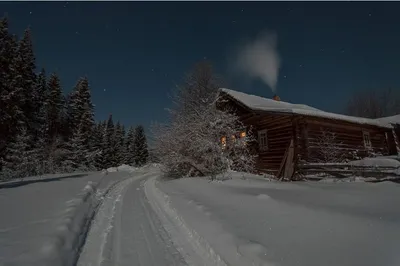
x=152 y=69
x=233 y=21
x=76 y=32
x=104 y=90
x=300 y=65
x=241 y=10
x=369 y=14
x=321 y=50
x=284 y=76
x=30 y=13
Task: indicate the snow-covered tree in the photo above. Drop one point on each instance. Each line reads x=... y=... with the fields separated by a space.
x=77 y=153
x=108 y=144
x=327 y=148
x=79 y=103
x=140 y=149
x=97 y=144
x=26 y=79
x=54 y=106
x=190 y=144
x=7 y=53
x=129 y=149
x=20 y=160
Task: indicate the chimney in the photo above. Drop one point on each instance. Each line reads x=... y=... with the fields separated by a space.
x=276 y=98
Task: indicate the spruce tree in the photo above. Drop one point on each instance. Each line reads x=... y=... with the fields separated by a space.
x=54 y=105
x=118 y=145
x=20 y=160
x=26 y=79
x=108 y=144
x=98 y=135
x=140 y=151
x=129 y=140
x=76 y=156
x=11 y=94
x=122 y=150
x=79 y=103
x=7 y=49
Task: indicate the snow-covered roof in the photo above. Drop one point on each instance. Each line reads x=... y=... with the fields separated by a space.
x=257 y=103
x=395 y=119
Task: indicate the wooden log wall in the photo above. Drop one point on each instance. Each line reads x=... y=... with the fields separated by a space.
x=279 y=133
x=348 y=137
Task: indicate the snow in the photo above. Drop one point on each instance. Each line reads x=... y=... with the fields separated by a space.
x=44 y=222
x=126 y=231
x=257 y=222
x=395 y=119
x=376 y=162
x=123 y=167
x=263 y=104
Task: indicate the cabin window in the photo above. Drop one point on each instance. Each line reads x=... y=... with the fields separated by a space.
x=367 y=140
x=262 y=140
x=223 y=142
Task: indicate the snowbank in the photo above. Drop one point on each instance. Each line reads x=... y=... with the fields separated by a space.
x=62 y=248
x=71 y=231
x=122 y=168
x=376 y=162
x=41 y=178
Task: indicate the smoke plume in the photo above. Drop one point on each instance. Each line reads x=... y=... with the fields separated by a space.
x=259 y=58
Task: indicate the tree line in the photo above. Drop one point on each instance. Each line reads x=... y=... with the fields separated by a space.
x=44 y=131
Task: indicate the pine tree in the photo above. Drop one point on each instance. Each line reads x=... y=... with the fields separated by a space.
x=129 y=140
x=122 y=150
x=20 y=160
x=77 y=153
x=26 y=79
x=108 y=144
x=118 y=145
x=140 y=152
x=54 y=107
x=7 y=48
x=41 y=122
x=98 y=136
x=79 y=103
x=11 y=95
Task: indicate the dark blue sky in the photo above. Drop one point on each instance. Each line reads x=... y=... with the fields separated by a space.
x=134 y=53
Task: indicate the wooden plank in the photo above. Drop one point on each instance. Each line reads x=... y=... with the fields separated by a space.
x=279 y=173
x=289 y=166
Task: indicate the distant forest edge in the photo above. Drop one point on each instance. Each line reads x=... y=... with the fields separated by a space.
x=43 y=131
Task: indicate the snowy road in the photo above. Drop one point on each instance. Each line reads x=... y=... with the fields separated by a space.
x=126 y=230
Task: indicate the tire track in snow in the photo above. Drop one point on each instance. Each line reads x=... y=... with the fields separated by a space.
x=192 y=246
x=126 y=231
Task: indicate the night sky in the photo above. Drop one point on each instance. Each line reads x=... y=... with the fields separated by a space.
x=134 y=53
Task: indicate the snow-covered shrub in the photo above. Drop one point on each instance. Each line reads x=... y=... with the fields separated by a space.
x=190 y=144
x=328 y=148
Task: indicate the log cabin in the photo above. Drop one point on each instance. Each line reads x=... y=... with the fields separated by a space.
x=288 y=134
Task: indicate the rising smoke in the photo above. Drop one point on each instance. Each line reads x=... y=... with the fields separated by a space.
x=259 y=58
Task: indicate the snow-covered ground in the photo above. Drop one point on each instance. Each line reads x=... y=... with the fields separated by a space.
x=42 y=220
x=126 y=216
x=255 y=222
